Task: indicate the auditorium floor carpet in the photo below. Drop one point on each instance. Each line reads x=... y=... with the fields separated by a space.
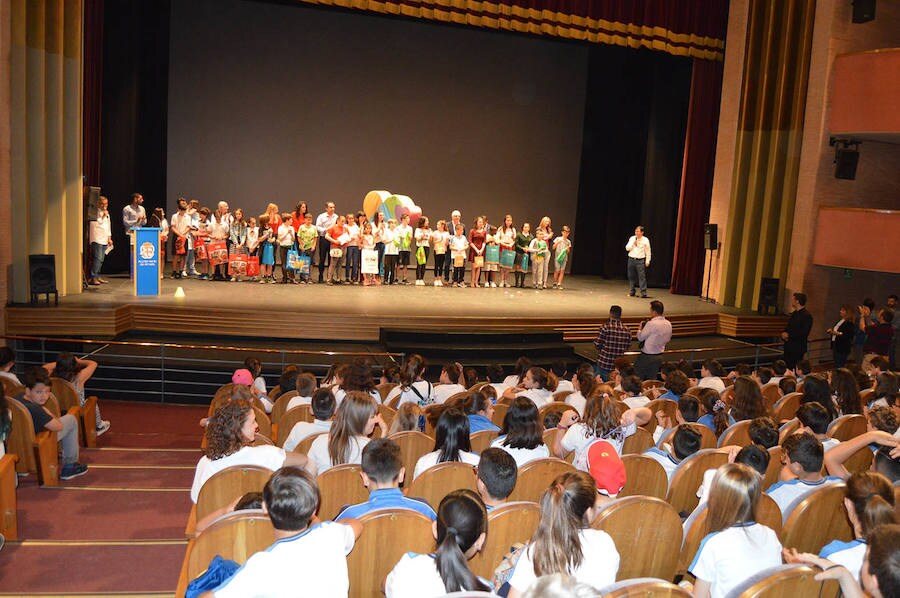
x=119 y=529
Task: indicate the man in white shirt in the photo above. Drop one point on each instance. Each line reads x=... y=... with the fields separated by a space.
x=455 y=218
x=133 y=216
x=101 y=240
x=654 y=334
x=710 y=376
x=638 y=248
x=305 y=555
x=326 y=220
x=219 y=227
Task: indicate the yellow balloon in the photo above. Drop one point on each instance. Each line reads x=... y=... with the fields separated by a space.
x=372 y=202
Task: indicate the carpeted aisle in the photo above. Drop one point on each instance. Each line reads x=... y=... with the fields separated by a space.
x=118 y=529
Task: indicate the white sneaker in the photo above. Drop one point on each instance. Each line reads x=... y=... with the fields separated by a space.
x=103 y=427
x=438 y=282
x=420 y=283
x=487 y=285
x=493 y=285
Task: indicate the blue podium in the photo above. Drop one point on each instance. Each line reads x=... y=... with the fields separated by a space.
x=147 y=265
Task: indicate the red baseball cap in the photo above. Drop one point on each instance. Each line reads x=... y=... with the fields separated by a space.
x=606 y=467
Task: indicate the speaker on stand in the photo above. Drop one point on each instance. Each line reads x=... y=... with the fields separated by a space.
x=42 y=277
x=710 y=244
x=768 y=296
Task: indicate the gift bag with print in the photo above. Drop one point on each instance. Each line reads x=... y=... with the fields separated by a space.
x=369 y=261
x=253 y=265
x=237 y=264
x=507 y=258
x=479 y=261
x=302 y=264
x=200 y=249
x=492 y=254
x=217 y=251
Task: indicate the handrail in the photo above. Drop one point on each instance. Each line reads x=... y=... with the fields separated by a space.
x=205 y=347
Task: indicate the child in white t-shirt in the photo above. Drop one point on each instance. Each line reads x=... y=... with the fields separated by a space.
x=459 y=244
x=540 y=255
x=286 y=239
x=562 y=247
x=391 y=252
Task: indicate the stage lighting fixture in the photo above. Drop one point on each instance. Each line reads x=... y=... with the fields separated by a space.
x=846 y=158
x=863 y=11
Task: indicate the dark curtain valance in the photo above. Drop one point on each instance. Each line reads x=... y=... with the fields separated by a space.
x=695 y=29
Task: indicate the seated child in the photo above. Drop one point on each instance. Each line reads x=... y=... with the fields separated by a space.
x=754 y=456
x=497 y=474
x=814 y=419
x=382 y=474
x=449 y=383
x=685 y=443
x=305 y=385
x=313 y=557
x=631 y=385
x=803 y=454
x=764 y=432
x=323 y=406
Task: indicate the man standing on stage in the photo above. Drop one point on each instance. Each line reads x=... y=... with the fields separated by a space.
x=612 y=342
x=133 y=216
x=638 y=249
x=455 y=218
x=101 y=240
x=654 y=334
x=326 y=220
x=796 y=333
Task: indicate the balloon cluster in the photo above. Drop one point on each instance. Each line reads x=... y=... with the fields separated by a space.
x=391 y=206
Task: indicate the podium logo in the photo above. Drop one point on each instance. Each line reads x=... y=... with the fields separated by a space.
x=148 y=250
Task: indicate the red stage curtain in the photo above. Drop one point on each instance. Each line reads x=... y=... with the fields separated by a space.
x=92 y=94
x=693 y=28
x=697 y=177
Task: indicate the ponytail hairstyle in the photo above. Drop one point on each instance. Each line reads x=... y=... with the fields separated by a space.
x=522 y=365
x=350 y=420
x=586 y=381
x=601 y=416
x=871 y=498
x=539 y=375
x=556 y=544
x=412 y=370
x=476 y=401
x=716 y=407
x=66 y=367
x=733 y=496
x=254 y=365
x=461 y=524
x=451 y=435
x=748 y=401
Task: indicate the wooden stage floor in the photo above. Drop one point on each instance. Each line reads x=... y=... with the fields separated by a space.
x=356 y=313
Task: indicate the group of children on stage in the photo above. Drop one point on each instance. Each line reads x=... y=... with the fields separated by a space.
x=362 y=251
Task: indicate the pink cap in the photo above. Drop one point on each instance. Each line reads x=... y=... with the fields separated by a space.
x=242 y=376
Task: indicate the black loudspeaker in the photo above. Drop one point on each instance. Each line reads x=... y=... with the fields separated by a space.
x=845 y=161
x=768 y=295
x=710 y=237
x=42 y=270
x=92 y=199
x=863 y=11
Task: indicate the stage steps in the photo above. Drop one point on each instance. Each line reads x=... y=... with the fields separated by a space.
x=480 y=347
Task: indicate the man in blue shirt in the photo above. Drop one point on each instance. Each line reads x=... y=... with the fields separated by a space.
x=382 y=474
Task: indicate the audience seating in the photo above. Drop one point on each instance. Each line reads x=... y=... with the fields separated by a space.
x=786 y=581
x=786 y=407
x=482 y=440
x=638 y=442
x=387 y=535
x=304 y=445
x=262 y=420
x=477 y=386
x=860 y=461
x=262 y=440
x=645 y=549
x=553 y=408
x=274 y=393
x=814 y=520
x=500 y=410
x=508 y=524
x=10 y=388
x=736 y=435
x=865 y=395
x=549 y=437
x=648 y=384
x=432 y=413
x=644 y=587
x=8 y=518
x=235 y=536
x=279 y=407
x=773 y=471
x=682 y=494
x=413 y=445
x=847 y=426
x=37 y=453
x=788 y=428
x=222 y=488
x=384 y=389
x=560 y=395
x=438 y=481
x=707 y=436
x=67 y=395
x=771 y=393
x=693 y=391
x=340 y=486
x=303 y=413
x=387 y=414
x=695 y=527
x=536 y=476
x=644 y=477
x=665 y=405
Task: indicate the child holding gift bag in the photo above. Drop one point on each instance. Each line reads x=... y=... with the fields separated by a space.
x=440 y=240
x=491 y=258
x=562 y=247
x=477 y=242
x=307 y=237
x=458 y=246
x=523 y=241
x=267 y=250
x=423 y=243
x=367 y=243
x=338 y=237
x=403 y=236
x=285 y=244
x=540 y=255
x=506 y=237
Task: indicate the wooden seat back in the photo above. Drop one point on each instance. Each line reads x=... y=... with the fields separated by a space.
x=387 y=414
x=535 y=477
x=236 y=536
x=384 y=389
x=643 y=588
x=816 y=519
x=500 y=410
x=262 y=420
x=67 y=395
x=786 y=581
x=666 y=406
x=432 y=414
x=481 y=441
x=438 y=481
x=638 y=442
x=553 y=408
x=640 y=525
x=274 y=393
x=387 y=535
x=847 y=427
x=8 y=519
x=644 y=477
x=773 y=471
x=696 y=527
x=304 y=445
x=786 y=407
x=230 y=483
x=279 y=407
x=560 y=395
x=508 y=524
x=771 y=394
x=860 y=461
x=736 y=435
x=648 y=384
x=682 y=494
x=340 y=486
x=289 y=419
x=37 y=453
x=865 y=395
x=10 y=388
x=412 y=445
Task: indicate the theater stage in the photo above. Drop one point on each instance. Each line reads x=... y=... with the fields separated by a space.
x=356 y=313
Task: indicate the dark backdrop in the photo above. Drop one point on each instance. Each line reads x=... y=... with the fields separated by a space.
x=634 y=127
x=489 y=122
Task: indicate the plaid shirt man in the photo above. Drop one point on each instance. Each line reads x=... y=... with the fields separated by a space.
x=612 y=342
